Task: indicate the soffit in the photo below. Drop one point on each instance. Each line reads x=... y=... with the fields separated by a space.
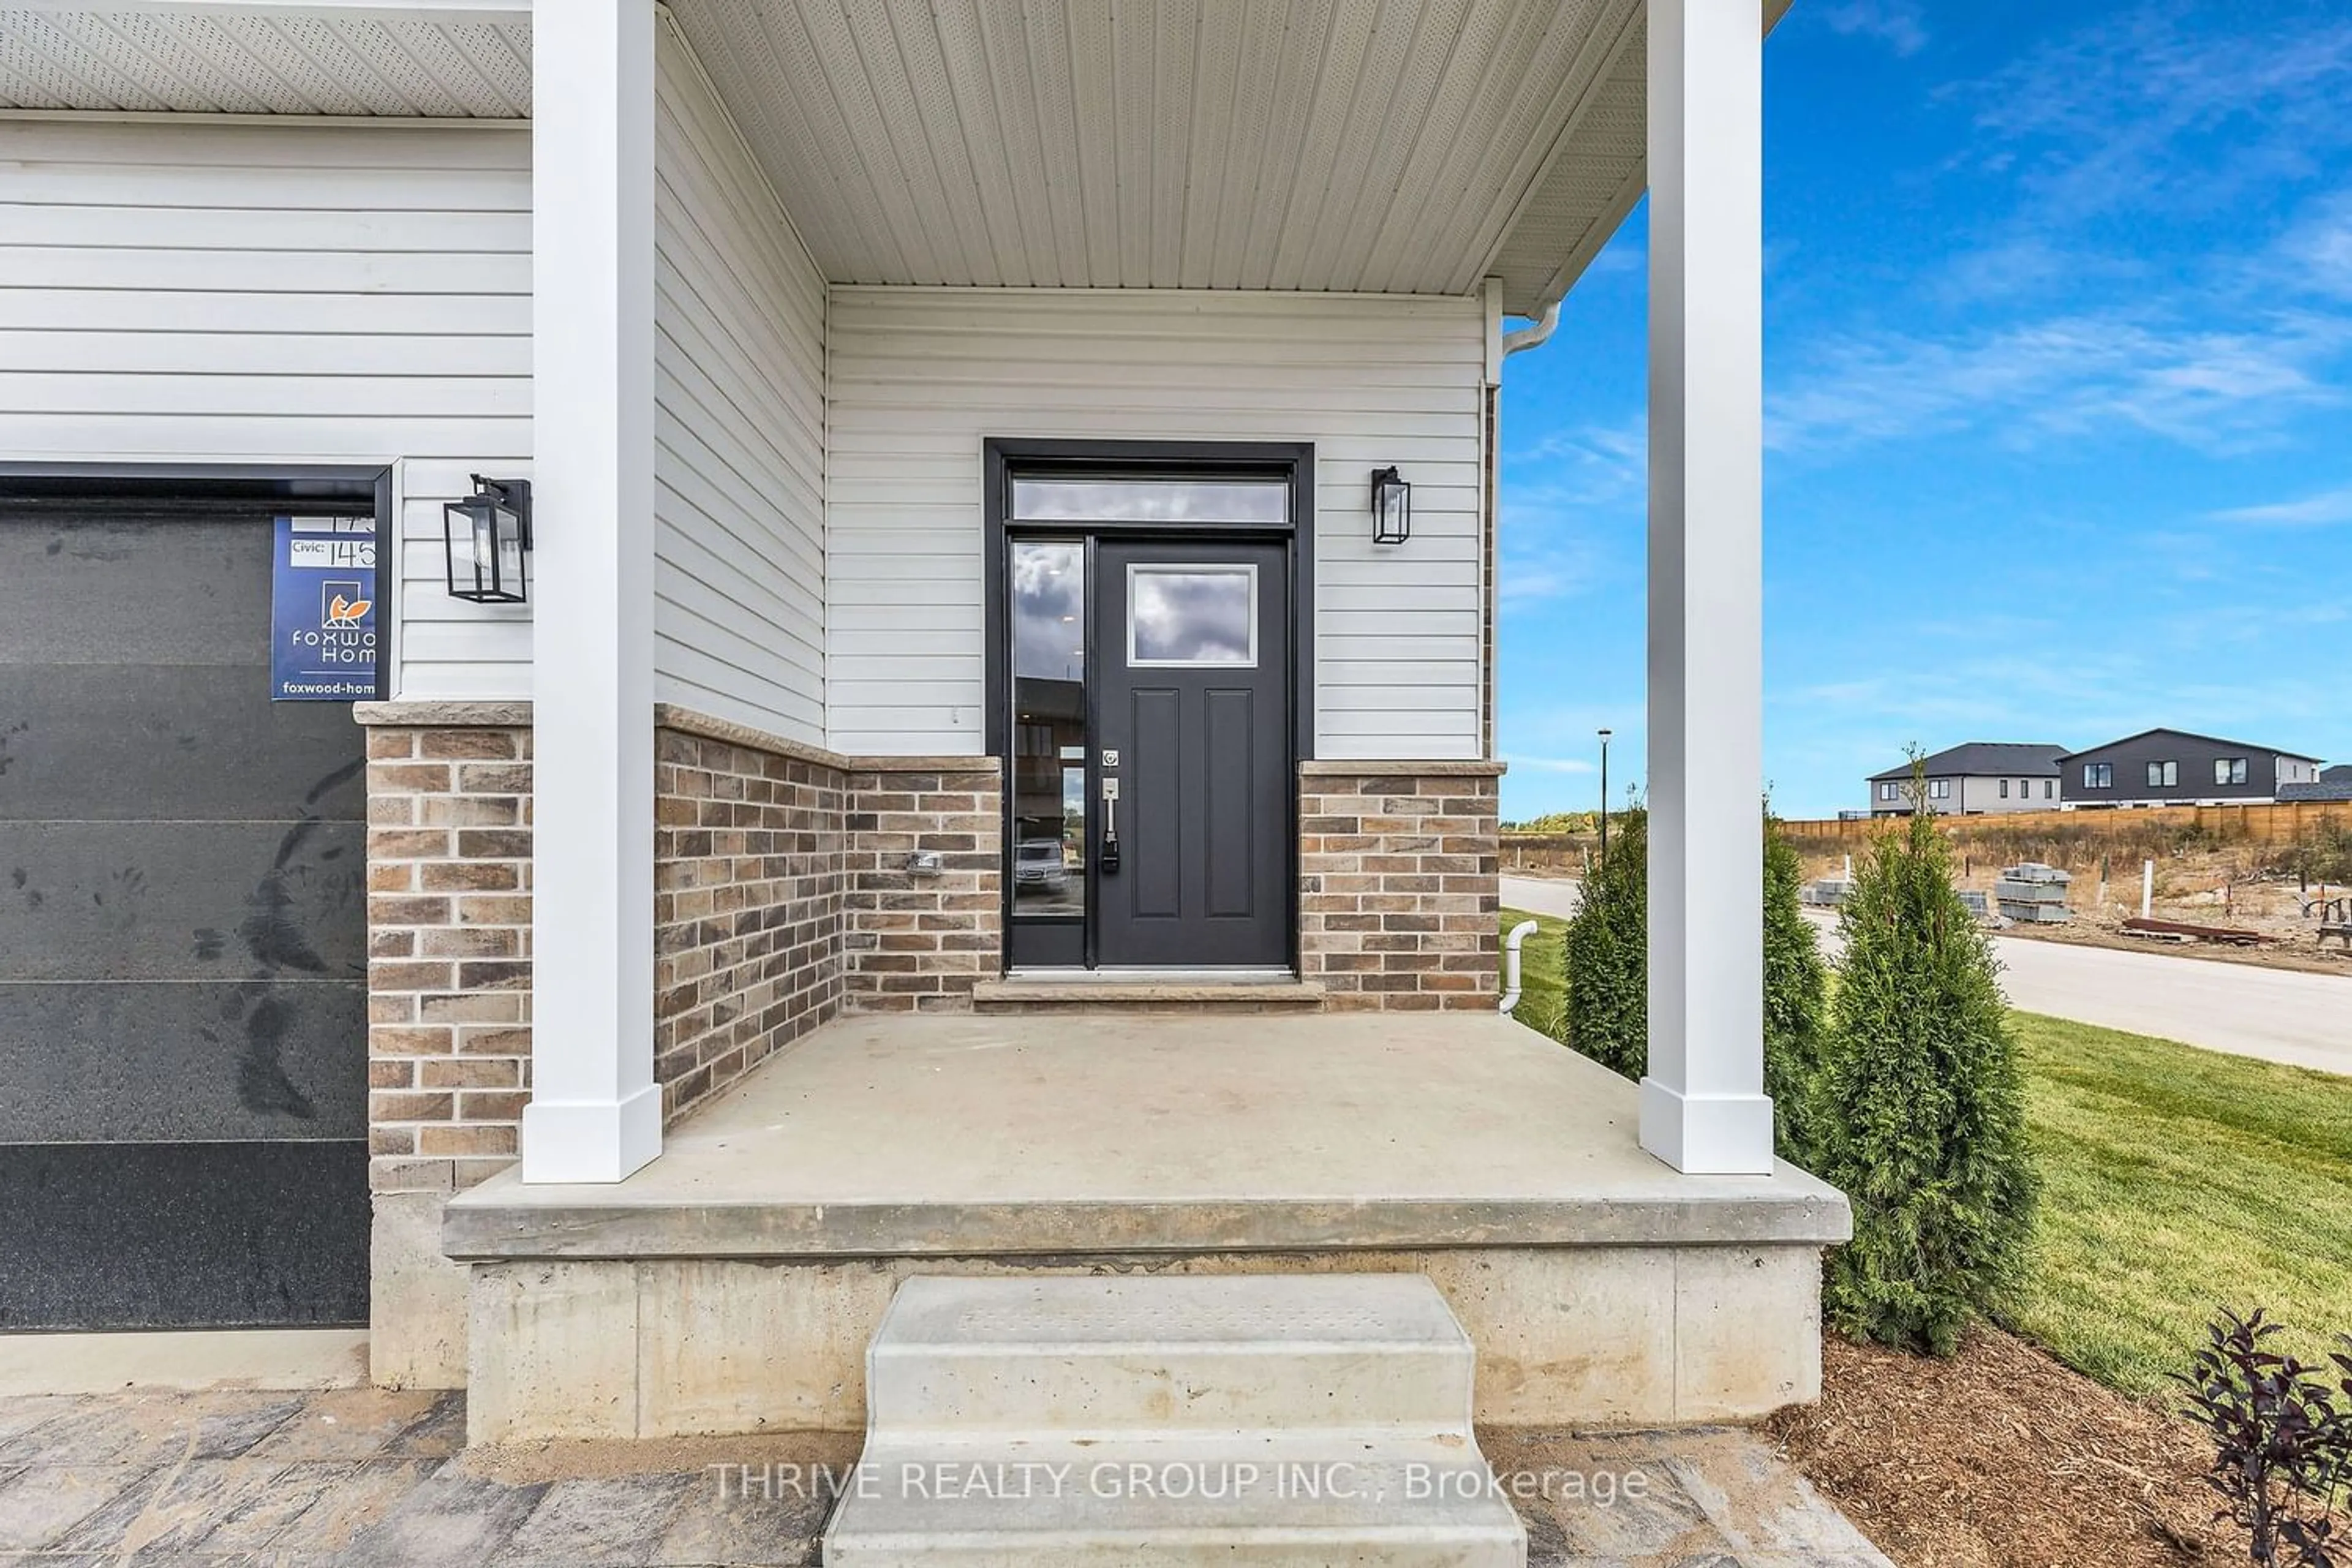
x=1373 y=145
x=273 y=61
x=1395 y=146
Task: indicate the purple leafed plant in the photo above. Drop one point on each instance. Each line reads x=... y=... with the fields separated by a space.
x=2281 y=1442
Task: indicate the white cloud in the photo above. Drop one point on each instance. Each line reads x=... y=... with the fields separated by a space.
x=2122 y=113
x=1548 y=764
x=2317 y=250
x=2307 y=511
x=2211 y=388
x=1897 y=24
x=1589 y=466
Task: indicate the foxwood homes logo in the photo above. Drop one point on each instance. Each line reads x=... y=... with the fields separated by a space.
x=344 y=604
x=323 y=603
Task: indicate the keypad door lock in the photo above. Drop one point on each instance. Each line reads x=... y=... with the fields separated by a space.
x=1106 y=858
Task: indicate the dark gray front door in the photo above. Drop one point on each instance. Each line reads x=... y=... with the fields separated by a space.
x=183 y=942
x=1192 y=646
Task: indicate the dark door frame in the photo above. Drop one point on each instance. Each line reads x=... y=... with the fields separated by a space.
x=1002 y=458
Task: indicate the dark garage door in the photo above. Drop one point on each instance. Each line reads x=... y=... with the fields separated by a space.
x=183 y=964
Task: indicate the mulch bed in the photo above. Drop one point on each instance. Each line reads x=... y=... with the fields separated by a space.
x=2002 y=1458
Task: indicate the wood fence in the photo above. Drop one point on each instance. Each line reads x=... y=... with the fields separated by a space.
x=2287 y=822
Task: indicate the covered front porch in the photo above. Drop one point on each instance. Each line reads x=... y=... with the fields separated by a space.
x=732 y=1285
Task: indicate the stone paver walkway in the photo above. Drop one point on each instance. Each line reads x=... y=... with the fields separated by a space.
x=362 y=1478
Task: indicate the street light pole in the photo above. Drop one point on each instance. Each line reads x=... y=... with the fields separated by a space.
x=1604 y=794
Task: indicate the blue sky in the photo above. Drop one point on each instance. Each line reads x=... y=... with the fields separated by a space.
x=2058 y=372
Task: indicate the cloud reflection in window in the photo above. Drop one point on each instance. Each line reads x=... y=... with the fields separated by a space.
x=1191 y=614
x=1049 y=597
x=1152 y=500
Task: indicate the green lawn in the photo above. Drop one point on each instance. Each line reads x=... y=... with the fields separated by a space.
x=1539 y=971
x=2173 y=1180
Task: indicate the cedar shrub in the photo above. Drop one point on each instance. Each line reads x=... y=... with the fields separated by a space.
x=1919 y=1106
x=1796 y=1003
x=1607 y=996
x=1605 y=1011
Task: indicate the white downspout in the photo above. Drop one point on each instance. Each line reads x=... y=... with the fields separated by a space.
x=1511 y=965
x=1527 y=337
x=1532 y=336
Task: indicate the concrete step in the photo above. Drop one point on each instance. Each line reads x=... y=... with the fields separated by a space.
x=1157 y=1355
x=1174 y=1504
x=1163 y=1420
x=1019 y=995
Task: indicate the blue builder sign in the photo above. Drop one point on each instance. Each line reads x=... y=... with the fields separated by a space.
x=322 y=632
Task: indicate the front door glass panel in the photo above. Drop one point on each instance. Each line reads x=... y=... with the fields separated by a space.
x=1049 y=729
x=1184 y=616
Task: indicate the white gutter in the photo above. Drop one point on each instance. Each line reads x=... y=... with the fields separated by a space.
x=1533 y=335
x=1511 y=965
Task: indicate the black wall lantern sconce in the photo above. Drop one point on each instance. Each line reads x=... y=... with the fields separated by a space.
x=486 y=535
x=1392 y=508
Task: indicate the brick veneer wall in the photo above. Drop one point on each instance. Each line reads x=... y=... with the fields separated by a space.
x=449 y=914
x=1397 y=892
x=913 y=941
x=448 y=951
x=747 y=884
x=782 y=896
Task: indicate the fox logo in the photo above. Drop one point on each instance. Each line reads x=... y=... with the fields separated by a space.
x=344 y=604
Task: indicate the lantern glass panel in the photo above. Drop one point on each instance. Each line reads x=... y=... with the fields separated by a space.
x=1392 y=509
x=506 y=563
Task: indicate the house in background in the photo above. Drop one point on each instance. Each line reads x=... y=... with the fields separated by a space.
x=2334 y=784
x=2172 y=767
x=1970 y=780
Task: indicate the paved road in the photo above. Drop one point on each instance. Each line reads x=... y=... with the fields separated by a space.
x=1541 y=895
x=2278 y=1015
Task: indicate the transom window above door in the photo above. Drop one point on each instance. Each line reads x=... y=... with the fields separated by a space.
x=1264 y=501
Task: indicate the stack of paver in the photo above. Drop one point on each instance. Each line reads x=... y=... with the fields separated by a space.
x=2035 y=892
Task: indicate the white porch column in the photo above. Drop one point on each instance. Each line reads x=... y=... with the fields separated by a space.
x=596 y=1112
x=1703 y=1105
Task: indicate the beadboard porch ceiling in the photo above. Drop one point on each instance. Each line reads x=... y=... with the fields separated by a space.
x=1385 y=146
x=1378 y=145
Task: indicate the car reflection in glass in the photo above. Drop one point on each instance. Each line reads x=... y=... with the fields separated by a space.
x=1038 y=867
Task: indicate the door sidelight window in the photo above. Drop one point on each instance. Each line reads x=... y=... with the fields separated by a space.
x=1049 y=727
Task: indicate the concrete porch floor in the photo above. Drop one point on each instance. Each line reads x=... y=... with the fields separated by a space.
x=909 y=1135
x=731 y=1286
x=370 y=1478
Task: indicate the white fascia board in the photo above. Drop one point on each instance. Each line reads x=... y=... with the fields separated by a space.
x=513 y=11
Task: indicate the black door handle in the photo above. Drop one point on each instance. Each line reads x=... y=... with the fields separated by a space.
x=1107 y=857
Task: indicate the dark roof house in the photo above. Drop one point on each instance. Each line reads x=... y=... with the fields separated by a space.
x=2174 y=767
x=2335 y=784
x=1979 y=776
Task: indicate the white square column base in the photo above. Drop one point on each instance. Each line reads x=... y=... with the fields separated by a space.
x=1708 y=1134
x=591 y=1141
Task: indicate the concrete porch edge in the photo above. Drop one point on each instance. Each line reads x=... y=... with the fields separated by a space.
x=499 y=1221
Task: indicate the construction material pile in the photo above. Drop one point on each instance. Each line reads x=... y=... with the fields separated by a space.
x=2034 y=892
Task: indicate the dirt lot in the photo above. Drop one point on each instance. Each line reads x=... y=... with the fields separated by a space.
x=2224 y=887
x=2001 y=1458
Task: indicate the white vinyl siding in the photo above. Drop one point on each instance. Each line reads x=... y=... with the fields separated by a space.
x=739 y=458
x=919 y=378
x=208 y=292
